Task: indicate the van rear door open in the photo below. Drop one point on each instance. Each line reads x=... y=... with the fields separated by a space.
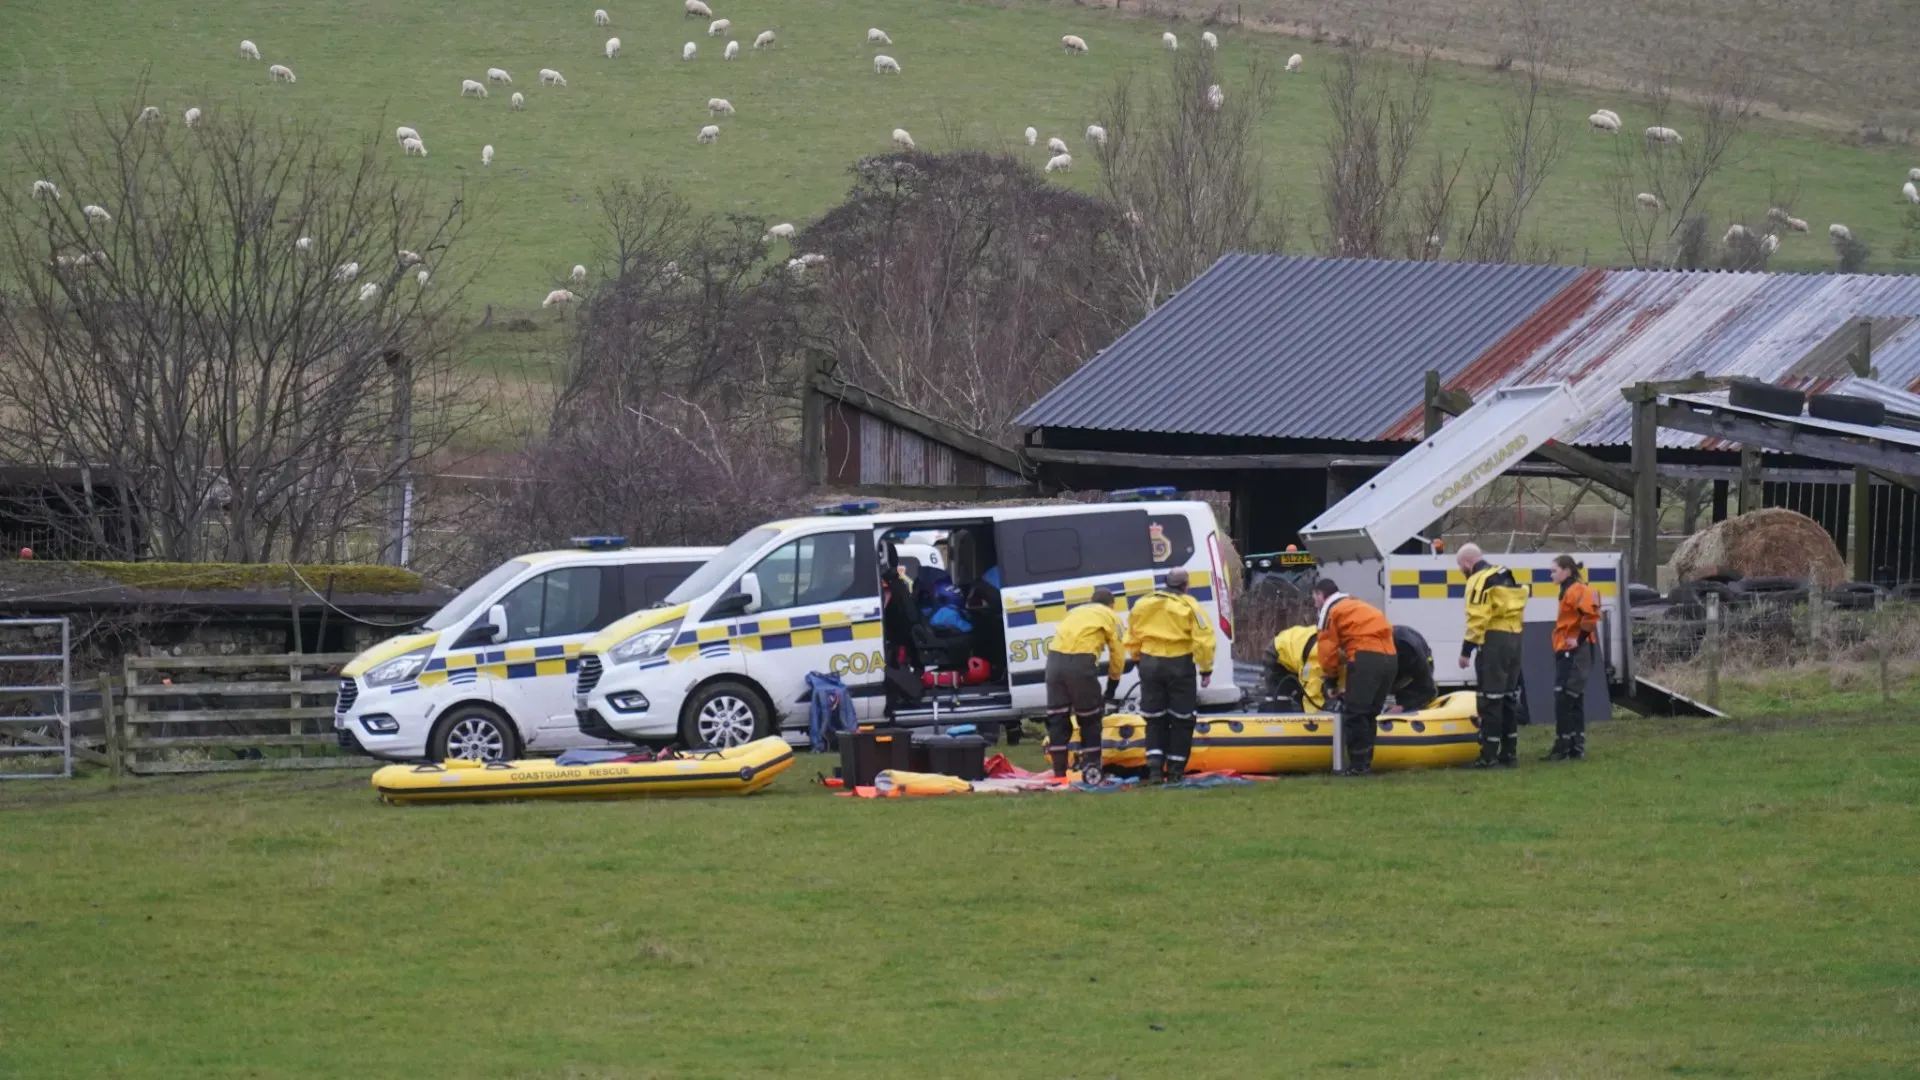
x=1053 y=563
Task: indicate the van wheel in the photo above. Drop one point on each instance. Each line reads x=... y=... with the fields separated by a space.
x=473 y=733
x=722 y=714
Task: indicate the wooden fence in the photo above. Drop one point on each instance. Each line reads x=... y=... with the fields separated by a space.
x=276 y=712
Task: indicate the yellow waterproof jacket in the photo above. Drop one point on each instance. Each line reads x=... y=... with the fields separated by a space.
x=1171 y=624
x=1495 y=601
x=1086 y=630
x=1293 y=650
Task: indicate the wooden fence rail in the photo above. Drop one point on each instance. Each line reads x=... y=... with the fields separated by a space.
x=170 y=704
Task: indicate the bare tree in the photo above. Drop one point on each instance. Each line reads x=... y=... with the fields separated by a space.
x=1182 y=163
x=1380 y=105
x=184 y=331
x=1532 y=140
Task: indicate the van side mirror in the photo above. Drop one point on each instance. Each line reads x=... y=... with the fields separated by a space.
x=488 y=631
x=750 y=587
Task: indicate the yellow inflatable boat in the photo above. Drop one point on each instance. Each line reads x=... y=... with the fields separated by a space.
x=1445 y=733
x=741 y=770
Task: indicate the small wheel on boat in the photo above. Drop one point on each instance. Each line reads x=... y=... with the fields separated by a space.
x=473 y=733
x=722 y=714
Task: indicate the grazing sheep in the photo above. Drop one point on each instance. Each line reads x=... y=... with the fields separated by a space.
x=408 y=258
x=1207 y=39
x=44 y=189
x=1778 y=215
x=1060 y=163
x=281 y=73
x=765 y=40
x=613 y=47
x=796 y=266
x=1839 y=232
x=80 y=262
x=1798 y=224
x=1770 y=243
x=500 y=75
x=149 y=114
x=1911 y=192
x=696 y=9
x=687 y=50
x=369 y=291
x=733 y=51
x=884 y=64
x=1294 y=62
x=1216 y=97
x=1073 y=43
x=601 y=18
x=1033 y=136
x=469 y=86
x=1600 y=121
x=192 y=116
x=550 y=77
x=1734 y=232
x=813 y=258
x=249 y=51
x=423 y=277
x=486 y=154
x=1172 y=43
x=305 y=243
x=561 y=296
x=1096 y=134
x=1664 y=136
x=347 y=273
x=719 y=106
x=1056 y=145
x=902 y=140
x=710 y=133
x=877 y=36
x=782 y=231
x=96 y=213
x=403 y=133
x=519 y=100
x=1609 y=114
x=719 y=27
x=579 y=274
x=1914 y=175
x=1648 y=200
x=414 y=146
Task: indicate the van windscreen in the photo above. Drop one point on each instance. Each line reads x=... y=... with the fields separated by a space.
x=720 y=567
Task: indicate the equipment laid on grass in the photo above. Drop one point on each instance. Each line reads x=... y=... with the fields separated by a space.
x=866 y=753
x=1444 y=734
x=740 y=770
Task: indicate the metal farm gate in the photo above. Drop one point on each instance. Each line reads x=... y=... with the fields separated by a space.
x=36 y=695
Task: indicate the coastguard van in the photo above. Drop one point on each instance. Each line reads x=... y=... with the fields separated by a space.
x=725 y=659
x=490 y=675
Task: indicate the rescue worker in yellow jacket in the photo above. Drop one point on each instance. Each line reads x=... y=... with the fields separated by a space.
x=1073 y=681
x=1294 y=681
x=1576 y=638
x=1356 y=644
x=1496 y=601
x=1168 y=633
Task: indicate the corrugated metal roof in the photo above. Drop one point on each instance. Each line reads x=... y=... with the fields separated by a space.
x=1298 y=347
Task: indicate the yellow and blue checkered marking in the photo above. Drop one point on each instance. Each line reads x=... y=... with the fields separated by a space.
x=1452 y=584
x=1052 y=606
x=772 y=634
x=522 y=662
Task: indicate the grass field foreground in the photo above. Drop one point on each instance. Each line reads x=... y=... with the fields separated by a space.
x=1695 y=900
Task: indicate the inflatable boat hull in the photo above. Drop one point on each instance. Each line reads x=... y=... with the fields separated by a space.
x=1444 y=734
x=740 y=770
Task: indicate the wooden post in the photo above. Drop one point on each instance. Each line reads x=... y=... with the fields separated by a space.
x=116 y=739
x=1816 y=612
x=1711 y=647
x=1751 y=492
x=813 y=425
x=1645 y=545
x=1859 y=528
x=1430 y=413
x=129 y=709
x=1719 y=500
x=294 y=667
x=1881 y=628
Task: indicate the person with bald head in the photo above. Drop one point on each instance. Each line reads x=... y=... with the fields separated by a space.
x=1496 y=602
x=1169 y=635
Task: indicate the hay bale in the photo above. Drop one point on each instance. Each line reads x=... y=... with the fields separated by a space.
x=1764 y=543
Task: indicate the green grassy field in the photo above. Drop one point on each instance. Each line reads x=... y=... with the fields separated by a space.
x=975 y=74
x=1696 y=900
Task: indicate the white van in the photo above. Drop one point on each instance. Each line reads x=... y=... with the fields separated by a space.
x=490 y=676
x=726 y=658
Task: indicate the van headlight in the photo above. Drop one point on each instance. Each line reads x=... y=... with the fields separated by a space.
x=649 y=642
x=397 y=670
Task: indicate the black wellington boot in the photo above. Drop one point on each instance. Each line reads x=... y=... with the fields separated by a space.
x=1561 y=749
x=1359 y=763
x=1489 y=753
x=1510 y=752
x=1577 y=751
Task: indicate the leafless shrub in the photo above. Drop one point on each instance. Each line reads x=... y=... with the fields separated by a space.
x=1852 y=254
x=1380 y=105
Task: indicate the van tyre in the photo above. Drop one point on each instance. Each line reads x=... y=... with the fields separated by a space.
x=474 y=733
x=1847 y=409
x=724 y=713
x=1766 y=397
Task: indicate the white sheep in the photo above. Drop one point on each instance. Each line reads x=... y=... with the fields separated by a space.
x=696 y=9
x=1914 y=175
x=45 y=189
x=579 y=274
x=782 y=231
x=877 y=36
x=149 y=114
x=1172 y=43
x=470 y=86
x=1839 y=232
x=303 y=244
x=80 y=262
x=1060 y=163
x=347 y=272
x=1216 y=97
x=1096 y=134
x=423 y=277
x=519 y=100
x=613 y=47
x=796 y=266
x=1056 y=145
x=403 y=133
x=733 y=51
x=486 y=154
x=1073 y=43
x=813 y=258
x=369 y=291
x=710 y=133
x=248 y=50
x=1033 y=136
x=1770 y=243
x=765 y=40
x=1600 y=121
x=902 y=140
x=500 y=75
x=1294 y=63
x=1664 y=136
x=687 y=50
x=719 y=27
x=1734 y=232
x=1778 y=215
x=550 y=77
x=191 y=116
x=414 y=146
x=719 y=106
x=1210 y=41
x=561 y=296
x=1798 y=224
x=408 y=258
x=96 y=213
x=1648 y=200
x=281 y=73
x=1911 y=191
x=884 y=64
x=601 y=18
